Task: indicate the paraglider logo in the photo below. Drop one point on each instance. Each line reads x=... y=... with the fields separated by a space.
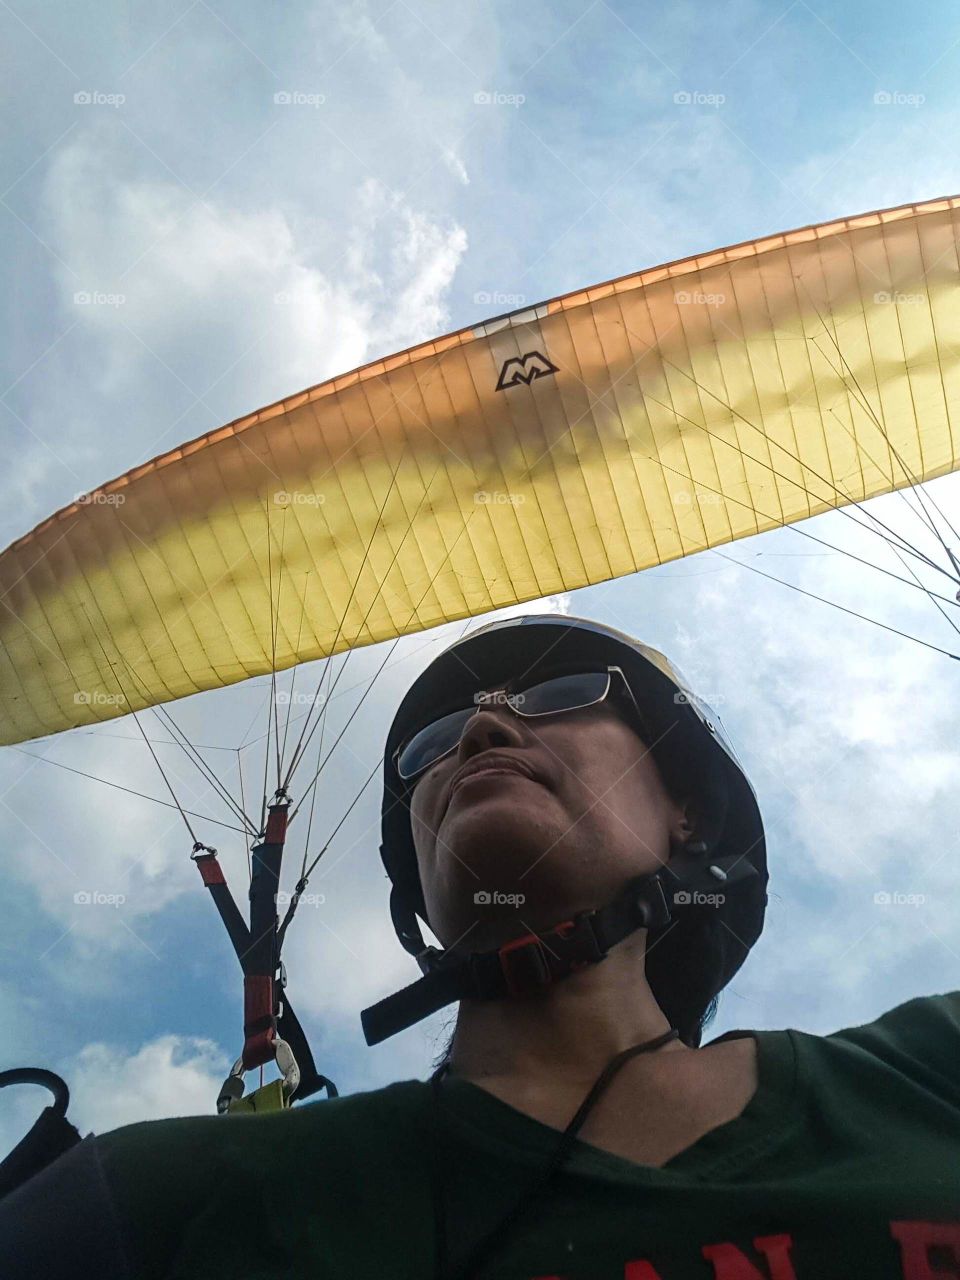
x=524 y=369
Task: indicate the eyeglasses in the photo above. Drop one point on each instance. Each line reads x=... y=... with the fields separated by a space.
x=570 y=692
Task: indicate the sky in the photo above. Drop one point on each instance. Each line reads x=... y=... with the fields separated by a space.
x=208 y=207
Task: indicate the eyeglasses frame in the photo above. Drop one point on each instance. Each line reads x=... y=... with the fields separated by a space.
x=483 y=699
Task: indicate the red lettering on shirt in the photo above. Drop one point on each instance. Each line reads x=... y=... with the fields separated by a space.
x=730 y=1264
x=640 y=1270
x=918 y=1239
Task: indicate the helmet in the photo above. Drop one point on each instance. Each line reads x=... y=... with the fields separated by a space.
x=690 y=747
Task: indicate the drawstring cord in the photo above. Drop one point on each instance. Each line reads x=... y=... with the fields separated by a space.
x=482 y=1249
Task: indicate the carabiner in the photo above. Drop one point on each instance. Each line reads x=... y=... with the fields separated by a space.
x=231 y=1092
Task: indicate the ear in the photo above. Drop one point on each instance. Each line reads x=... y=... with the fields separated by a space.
x=684 y=822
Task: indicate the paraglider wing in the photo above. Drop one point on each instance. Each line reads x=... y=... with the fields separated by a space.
x=589 y=437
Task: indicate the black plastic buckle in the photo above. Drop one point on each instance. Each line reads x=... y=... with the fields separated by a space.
x=579 y=941
x=430 y=958
x=524 y=965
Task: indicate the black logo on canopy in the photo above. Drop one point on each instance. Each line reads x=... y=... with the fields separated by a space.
x=524 y=369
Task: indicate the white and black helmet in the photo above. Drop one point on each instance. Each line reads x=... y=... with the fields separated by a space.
x=689 y=747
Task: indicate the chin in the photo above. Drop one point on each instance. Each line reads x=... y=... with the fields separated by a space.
x=492 y=847
x=498 y=838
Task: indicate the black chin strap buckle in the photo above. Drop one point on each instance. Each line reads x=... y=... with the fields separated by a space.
x=525 y=965
x=429 y=959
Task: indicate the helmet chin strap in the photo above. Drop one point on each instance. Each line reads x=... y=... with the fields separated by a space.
x=532 y=963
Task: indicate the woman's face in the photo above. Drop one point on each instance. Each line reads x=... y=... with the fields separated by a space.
x=532 y=820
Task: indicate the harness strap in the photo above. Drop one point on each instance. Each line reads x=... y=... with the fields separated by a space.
x=268 y=1012
x=522 y=966
x=533 y=962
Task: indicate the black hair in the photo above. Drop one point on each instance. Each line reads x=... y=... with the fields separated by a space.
x=683 y=967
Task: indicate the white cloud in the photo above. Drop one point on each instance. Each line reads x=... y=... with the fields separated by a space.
x=169 y=1076
x=455 y=165
x=191 y=310
x=111 y=1086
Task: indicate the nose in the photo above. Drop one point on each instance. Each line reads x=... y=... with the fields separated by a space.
x=493 y=725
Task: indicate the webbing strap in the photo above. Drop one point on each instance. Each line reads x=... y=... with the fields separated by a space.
x=213 y=878
x=262 y=997
x=521 y=967
x=531 y=963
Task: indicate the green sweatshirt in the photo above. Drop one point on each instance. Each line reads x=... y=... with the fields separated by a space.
x=845 y=1165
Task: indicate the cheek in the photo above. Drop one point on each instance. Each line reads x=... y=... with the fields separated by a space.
x=609 y=770
x=599 y=756
x=424 y=810
x=418 y=823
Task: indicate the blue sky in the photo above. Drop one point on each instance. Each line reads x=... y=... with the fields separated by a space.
x=425 y=166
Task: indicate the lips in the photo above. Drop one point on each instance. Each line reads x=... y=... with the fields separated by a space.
x=491 y=763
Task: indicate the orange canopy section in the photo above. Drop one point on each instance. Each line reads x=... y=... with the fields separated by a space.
x=566 y=444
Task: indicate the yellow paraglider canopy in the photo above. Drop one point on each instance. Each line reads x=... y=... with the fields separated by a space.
x=566 y=444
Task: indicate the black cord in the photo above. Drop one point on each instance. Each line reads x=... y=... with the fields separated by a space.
x=483 y=1248
x=439 y=1200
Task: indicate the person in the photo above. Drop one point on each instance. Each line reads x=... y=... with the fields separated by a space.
x=568 y=819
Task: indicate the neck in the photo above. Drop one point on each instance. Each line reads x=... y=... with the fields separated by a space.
x=568 y=1032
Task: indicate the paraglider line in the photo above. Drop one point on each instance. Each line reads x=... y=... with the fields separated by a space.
x=863 y=617
x=129 y=790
